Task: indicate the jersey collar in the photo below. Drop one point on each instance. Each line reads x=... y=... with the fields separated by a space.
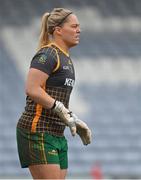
x=67 y=54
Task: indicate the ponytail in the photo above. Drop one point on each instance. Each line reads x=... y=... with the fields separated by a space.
x=44 y=36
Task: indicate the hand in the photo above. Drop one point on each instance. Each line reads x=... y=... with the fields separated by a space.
x=83 y=130
x=65 y=115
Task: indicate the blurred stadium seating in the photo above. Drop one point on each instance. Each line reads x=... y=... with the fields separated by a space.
x=107 y=94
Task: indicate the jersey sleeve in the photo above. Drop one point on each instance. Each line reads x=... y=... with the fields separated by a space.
x=45 y=61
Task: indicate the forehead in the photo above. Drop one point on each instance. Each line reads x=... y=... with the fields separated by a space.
x=72 y=19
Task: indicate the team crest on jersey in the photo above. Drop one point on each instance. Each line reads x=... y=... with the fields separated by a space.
x=42 y=59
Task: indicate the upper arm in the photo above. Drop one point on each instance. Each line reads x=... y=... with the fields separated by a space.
x=35 y=78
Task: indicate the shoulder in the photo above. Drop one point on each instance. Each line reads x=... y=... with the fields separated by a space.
x=47 y=52
x=45 y=60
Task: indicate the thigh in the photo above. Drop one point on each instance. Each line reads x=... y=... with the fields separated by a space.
x=46 y=171
x=63 y=173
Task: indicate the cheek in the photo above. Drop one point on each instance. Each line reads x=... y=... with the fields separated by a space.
x=69 y=34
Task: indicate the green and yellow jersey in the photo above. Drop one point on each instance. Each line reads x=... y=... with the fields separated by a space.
x=58 y=65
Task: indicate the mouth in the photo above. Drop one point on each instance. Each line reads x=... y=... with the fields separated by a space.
x=77 y=37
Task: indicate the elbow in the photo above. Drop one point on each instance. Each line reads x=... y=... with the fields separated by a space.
x=32 y=91
x=29 y=91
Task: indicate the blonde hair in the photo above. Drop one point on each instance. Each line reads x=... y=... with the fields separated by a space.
x=49 y=21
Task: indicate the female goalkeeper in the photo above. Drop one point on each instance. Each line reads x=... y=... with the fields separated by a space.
x=42 y=146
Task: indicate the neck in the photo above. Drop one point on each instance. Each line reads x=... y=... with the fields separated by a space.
x=61 y=44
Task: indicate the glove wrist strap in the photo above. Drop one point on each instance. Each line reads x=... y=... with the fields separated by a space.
x=53 y=105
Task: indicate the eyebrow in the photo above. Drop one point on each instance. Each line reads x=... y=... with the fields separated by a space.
x=76 y=24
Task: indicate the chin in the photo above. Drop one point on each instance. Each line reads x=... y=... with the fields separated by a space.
x=74 y=43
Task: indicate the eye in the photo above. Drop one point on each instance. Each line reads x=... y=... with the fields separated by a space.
x=75 y=25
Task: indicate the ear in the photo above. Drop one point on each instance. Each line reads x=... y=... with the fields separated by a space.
x=58 y=30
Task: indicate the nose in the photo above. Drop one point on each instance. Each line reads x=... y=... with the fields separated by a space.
x=78 y=30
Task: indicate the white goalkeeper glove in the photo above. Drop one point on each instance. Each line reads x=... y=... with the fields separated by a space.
x=65 y=115
x=83 y=130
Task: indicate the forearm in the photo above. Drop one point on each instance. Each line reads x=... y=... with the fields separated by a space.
x=39 y=95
